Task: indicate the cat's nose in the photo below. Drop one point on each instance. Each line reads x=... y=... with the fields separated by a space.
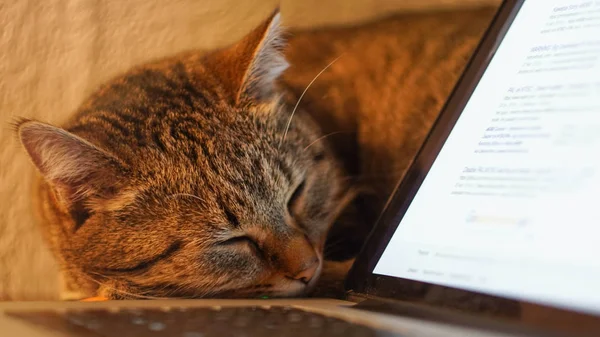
x=308 y=273
x=299 y=259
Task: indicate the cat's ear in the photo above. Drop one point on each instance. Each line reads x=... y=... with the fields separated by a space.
x=77 y=169
x=250 y=67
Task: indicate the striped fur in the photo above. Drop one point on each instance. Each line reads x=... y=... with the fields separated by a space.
x=195 y=176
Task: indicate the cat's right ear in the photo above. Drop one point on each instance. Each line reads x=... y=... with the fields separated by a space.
x=77 y=169
x=249 y=69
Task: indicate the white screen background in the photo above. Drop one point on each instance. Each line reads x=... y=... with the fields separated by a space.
x=511 y=206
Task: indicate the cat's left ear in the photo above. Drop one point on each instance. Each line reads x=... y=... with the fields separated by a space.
x=250 y=68
x=77 y=169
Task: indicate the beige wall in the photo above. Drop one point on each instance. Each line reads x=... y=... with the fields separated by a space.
x=54 y=52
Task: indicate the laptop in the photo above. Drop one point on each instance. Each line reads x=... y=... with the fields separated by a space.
x=493 y=231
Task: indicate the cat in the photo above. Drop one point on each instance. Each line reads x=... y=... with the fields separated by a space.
x=245 y=171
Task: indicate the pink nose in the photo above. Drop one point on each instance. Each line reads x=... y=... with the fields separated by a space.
x=298 y=259
x=307 y=274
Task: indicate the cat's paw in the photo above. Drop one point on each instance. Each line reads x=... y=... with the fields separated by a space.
x=95 y=299
x=336 y=269
x=331 y=282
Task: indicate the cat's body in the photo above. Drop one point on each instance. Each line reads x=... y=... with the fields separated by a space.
x=377 y=102
x=195 y=176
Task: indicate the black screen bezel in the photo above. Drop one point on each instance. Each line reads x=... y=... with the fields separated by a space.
x=361 y=279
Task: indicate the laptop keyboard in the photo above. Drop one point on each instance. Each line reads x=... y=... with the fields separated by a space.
x=196 y=322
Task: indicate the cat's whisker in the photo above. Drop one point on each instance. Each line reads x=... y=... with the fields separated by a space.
x=184 y=195
x=140 y=296
x=287 y=128
x=172 y=293
x=325 y=136
x=120 y=291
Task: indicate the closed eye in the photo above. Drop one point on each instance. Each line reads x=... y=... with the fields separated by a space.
x=145 y=265
x=297 y=193
x=242 y=240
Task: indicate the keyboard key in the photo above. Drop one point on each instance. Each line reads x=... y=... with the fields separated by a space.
x=198 y=322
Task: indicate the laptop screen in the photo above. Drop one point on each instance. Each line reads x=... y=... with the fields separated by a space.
x=511 y=205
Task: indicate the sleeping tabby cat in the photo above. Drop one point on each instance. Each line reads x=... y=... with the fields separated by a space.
x=201 y=176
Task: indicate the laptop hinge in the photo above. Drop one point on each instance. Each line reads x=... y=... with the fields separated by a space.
x=430 y=313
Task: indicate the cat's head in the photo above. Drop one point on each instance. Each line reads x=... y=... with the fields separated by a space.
x=221 y=193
